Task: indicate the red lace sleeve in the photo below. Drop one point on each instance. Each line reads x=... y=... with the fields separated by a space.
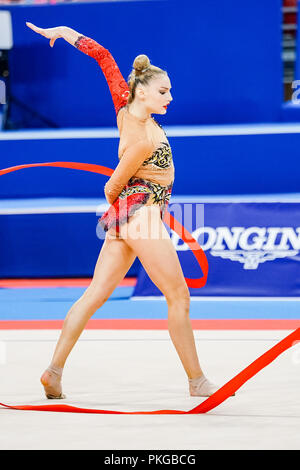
x=118 y=86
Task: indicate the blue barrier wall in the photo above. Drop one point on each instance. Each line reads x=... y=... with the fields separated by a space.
x=223 y=58
x=49 y=244
x=216 y=164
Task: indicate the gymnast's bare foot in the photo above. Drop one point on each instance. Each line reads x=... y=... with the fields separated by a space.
x=51 y=381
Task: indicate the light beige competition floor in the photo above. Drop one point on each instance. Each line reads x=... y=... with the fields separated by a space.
x=140 y=371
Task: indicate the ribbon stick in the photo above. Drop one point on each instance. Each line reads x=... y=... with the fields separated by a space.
x=168 y=218
x=209 y=404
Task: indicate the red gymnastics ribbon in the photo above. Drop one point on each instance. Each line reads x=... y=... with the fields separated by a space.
x=168 y=218
x=226 y=390
x=209 y=404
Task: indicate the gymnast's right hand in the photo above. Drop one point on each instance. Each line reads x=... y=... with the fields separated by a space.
x=49 y=33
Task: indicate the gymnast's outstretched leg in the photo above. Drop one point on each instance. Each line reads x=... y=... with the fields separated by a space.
x=146 y=234
x=114 y=261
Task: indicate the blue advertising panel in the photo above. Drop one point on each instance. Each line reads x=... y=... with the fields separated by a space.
x=252 y=250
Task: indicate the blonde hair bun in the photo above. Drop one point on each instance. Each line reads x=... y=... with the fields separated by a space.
x=142 y=72
x=141 y=63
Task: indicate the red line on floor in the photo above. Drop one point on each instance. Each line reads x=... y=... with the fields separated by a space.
x=121 y=324
x=78 y=282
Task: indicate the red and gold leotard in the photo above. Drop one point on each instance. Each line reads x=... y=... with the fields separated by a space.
x=145 y=172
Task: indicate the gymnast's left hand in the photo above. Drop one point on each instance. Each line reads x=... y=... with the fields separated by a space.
x=108 y=195
x=49 y=33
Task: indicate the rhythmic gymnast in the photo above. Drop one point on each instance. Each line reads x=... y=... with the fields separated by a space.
x=138 y=193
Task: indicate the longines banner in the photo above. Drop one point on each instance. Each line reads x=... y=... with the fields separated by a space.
x=252 y=249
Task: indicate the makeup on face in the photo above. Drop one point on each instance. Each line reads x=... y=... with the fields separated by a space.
x=162 y=93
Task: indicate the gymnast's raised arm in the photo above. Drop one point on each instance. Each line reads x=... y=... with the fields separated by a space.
x=118 y=86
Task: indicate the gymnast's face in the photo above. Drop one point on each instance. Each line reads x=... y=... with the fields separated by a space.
x=156 y=95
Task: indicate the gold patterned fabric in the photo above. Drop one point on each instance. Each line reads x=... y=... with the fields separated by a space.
x=161 y=158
